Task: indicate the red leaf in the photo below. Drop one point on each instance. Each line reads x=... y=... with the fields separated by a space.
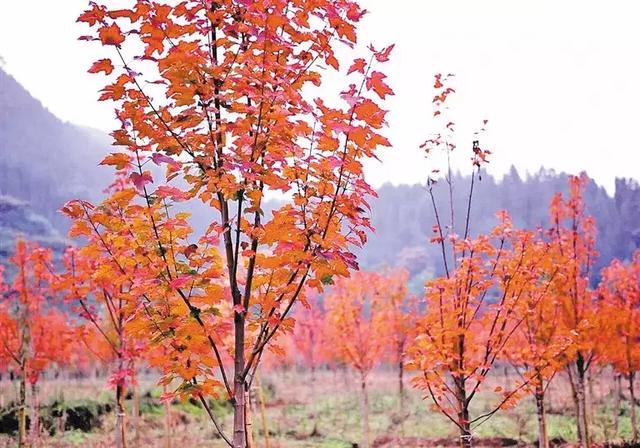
x=140 y=180
x=103 y=65
x=179 y=282
x=159 y=158
x=190 y=250
x=174 y=193
x=383 y=55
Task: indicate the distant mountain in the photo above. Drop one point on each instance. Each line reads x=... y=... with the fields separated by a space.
x=403 y=217
x=19 y=220
x=43 y=160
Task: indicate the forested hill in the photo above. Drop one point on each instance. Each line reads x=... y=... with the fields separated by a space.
x=403 y=216
x=43 y=160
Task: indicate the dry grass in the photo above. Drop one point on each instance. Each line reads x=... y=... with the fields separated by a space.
x=298 y=412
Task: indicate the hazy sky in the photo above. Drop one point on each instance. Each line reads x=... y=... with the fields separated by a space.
x=559 y=81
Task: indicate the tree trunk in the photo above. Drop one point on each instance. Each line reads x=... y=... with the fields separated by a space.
x=1 y=392
x=167 y=421
x=135 y=411
x=121 y=439
x=543 y=439
x=365 y=411
x=589 y=398
x=248 y=418
x=22 y=411
x=314 y=402
x=34 y=421
x=581 y=408
x=634 y=423
x=617 y=402
x=239 y=393
x=463 y=416
x=401 y=383
x=465 y=433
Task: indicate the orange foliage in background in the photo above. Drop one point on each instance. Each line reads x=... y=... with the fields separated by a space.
x=34 y=333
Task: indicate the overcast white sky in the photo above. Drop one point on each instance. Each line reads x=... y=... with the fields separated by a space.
x=558 y=80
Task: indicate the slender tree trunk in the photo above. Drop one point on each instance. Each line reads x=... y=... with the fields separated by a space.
x=589 y=398
x=167 y=421
x=239 y=404
x=121 y=430
x=582 y=425
x=634 y=423
x=121 y=439
x=34 y=426
x=135 y=409
x=314 y=402
x=22 y=411
x=24 y=355
x=461 y=394
x=248 y=418
x=543 y=439
x=401 y=382
x=617 y=402
x=463 y=414
x=365 y=410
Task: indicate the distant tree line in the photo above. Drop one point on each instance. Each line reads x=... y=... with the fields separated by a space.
x=403 y=218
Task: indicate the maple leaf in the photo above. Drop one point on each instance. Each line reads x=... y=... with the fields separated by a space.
x=190 y=250
x=165 y=191
x=367 y=110
x=376 y=83
x=179 y=282
x=140 y=180
x=103 y=65
x=159 y=158
x=92 y=16
x=383 y=55
x=119 y=159
x=358 y=65
x=111 y=35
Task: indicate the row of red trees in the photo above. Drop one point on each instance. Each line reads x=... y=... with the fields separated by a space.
x=46 y=326
x=515 y=296
x=520 y=295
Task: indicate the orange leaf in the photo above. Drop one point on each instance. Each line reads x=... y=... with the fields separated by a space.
x=119 y=159
x=111 y=35
x=103 y=65
x=376 y=83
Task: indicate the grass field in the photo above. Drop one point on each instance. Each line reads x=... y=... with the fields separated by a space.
x=297 y=413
